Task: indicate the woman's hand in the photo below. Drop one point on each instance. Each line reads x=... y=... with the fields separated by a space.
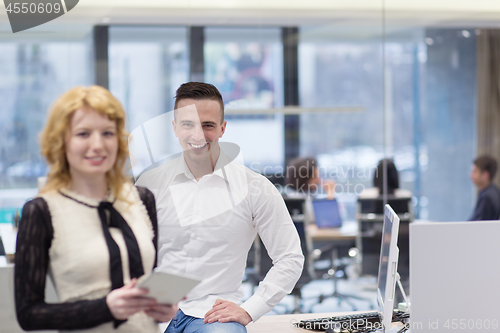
x=162 y=312
x=127 y=300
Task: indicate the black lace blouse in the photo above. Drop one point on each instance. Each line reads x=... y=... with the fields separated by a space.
x=31 y=264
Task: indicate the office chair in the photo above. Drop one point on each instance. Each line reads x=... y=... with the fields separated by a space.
x=259 y=263
x=308 y=273
x=312 y=272
x=336 y=271
x=370 y=217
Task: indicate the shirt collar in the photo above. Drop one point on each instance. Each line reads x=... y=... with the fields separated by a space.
x=484 y=189
x=182 y=169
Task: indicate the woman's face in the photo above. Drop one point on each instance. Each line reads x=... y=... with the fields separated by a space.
x=91 y=144
x=315 y=180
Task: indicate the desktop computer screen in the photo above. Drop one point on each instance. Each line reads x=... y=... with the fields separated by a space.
x=387 y=279
x=326 y=213
x=388 y=267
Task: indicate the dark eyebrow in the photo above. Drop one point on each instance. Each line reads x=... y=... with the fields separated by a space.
x=209 y=123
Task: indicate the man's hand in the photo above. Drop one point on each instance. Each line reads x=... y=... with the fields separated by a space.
x=225 y=311
x=162 y=312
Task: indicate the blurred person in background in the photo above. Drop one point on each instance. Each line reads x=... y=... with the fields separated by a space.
x=303 y=178
x=482 y=174
x=392 y=182
x=303 y=181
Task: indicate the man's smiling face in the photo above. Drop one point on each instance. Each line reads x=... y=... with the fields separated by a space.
x=198 y=127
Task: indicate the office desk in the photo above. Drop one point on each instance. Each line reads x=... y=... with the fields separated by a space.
x=283 y=323
x=9 y=236
x=348 y=231
x=8 y=319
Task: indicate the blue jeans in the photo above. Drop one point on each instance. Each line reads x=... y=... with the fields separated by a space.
x=183 y=323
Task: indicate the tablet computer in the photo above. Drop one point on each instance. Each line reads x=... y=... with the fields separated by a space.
x=166 y=288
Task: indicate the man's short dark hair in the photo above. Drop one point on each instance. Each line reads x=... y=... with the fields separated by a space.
x=199 y=91
x=486 y=163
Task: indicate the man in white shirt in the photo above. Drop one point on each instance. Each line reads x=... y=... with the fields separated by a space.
x=210 y=209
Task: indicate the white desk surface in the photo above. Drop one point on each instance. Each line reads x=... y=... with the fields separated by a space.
x=9 y=236
x=284 y=323
x=348 y=231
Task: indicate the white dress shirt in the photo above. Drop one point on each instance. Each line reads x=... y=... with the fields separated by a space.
x=206 y=228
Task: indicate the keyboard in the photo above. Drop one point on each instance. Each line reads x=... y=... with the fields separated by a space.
x=354 y=322
x=357 y=322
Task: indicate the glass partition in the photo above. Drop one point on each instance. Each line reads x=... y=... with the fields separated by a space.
x=431 y=90
x=146 y=66
x=246 y=65
x=341 y=89
x=387 y=81
x=35 y=68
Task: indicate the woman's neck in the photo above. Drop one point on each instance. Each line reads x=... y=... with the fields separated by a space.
x=95 y=188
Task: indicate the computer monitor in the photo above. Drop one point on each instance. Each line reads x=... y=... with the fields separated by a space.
x=454 y=270
x=387 y=280
x=388 y=267
x=402 y=206
x=326 y=213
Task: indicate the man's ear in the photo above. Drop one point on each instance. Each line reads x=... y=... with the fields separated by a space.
x=486 y=176
x=175 y=128
x=223 y=128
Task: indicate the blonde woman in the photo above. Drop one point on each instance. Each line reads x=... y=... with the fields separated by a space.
x=89 y=227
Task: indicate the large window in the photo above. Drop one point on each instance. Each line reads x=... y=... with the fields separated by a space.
x=344 y=77
x=408 y=95
x=146 y=66
x=410 y=98
x=34 y=73
x=246 y=65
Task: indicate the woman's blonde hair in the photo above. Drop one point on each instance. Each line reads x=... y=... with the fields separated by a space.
x=53 y=136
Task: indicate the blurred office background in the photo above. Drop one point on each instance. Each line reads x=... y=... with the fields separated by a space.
x=347 y=82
